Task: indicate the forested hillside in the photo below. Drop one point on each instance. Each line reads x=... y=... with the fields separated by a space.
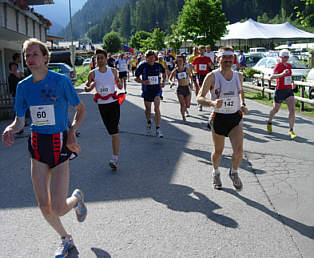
x=98 y=17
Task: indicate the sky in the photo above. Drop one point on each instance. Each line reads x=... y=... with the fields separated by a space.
x=59 y=12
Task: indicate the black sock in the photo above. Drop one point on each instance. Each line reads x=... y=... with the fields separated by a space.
x=157 y=127
x=149 y=122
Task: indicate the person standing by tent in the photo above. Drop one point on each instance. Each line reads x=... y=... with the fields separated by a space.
x=283 y=92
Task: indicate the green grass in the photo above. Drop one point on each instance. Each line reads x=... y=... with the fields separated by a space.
x=81 y=74
x=308 y=109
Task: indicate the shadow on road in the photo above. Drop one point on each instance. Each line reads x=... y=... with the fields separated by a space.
x=186 y=199
x=303 y=229
x=100 y=253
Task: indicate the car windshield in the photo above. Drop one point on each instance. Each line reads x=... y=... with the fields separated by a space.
x=296 y=64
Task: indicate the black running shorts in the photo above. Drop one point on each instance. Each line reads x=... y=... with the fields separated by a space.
x=183 y=90
x=222 y=124
x=110 y=114
x=282 y=94
x=49 y=148
x=123 y=75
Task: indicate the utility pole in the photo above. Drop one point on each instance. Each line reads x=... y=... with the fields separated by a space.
x=71 y=38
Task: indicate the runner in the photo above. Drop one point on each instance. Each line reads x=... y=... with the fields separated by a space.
x=210 y=53
x=170 y=62
x=227 y=98
x=47 y=94
x=182 y=74
x=122 y=66
x=104 y=79
x=283 y=92
x=151 y=86
x=190 y=61
x=133 y=63
x=203 y=65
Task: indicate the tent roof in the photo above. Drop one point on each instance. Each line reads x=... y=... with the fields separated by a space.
x=251 y=29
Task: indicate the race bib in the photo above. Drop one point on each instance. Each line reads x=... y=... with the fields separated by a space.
x=288 y=80
x=202 y=67
x=43 y=115
x=103 y=91
x=168 y=63
x=182 y=75
x=153 y=80
x=229 y=105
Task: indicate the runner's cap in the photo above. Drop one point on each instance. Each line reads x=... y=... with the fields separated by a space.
x=160 y=55
x=284 y=52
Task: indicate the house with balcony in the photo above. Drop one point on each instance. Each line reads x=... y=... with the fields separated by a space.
x=18 y=22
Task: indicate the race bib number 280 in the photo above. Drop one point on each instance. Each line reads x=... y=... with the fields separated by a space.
x=43 y=115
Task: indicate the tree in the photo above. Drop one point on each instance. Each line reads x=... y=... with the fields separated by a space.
x=174 y=40
x=158 y=39
x=202 y=21
x=112 y=42
x=139 y=36
x=306 y=17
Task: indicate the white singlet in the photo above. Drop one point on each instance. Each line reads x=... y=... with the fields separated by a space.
x=104 y=85
x=122 y=65
x=228 y=91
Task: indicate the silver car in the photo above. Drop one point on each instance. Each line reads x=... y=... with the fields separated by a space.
x=63 y=69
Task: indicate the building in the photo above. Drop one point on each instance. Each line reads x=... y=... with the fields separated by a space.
x=18 y=22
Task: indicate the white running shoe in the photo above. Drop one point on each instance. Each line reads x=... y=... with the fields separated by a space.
x=149 y=130
x=187 y=113
x=80 y=208
x=159 y=134
x=113 y=164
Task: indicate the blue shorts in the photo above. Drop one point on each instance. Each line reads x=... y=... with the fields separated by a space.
x=150 y=92
x=282 y=94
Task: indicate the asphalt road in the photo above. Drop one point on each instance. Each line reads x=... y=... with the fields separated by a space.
x=160 y=202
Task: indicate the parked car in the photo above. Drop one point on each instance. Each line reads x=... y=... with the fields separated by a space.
x=79 y=60
x=266 y=66
x=64 y=69
x=61 y=57
x=257 y=50
x=87 y=61
x=251 y=59
x=310 y=78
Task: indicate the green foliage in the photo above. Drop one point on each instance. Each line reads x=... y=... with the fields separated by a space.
x=174 y=40
x=249 y=72
x=112 y=42
x=202 y=21
x=158 y=39
x=137 y=39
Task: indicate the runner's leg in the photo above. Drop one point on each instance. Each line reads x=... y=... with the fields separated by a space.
x=219 y=144
x=236 y=139
x=182 y=105
x=273 y=111
x=291 y=108
x=157 y=110
x=115 y=144
x=148 y=109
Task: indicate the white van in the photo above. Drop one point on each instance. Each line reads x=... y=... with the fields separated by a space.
x=257 y=50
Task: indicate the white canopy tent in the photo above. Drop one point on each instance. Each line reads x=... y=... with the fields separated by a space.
x=251 y=32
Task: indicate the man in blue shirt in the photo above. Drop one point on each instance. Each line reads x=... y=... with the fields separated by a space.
x=47 y=95
x=150 y=72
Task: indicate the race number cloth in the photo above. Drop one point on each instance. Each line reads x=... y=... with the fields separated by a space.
x=48 y=101
x=229 y=105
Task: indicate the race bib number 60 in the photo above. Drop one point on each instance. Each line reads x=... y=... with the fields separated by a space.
x=43 y=115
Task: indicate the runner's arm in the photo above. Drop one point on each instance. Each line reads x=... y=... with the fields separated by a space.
x=77 y=120
x=90 y=85
x=173 y=74
x=208 y=85
x=243 y=105
x=16 y=126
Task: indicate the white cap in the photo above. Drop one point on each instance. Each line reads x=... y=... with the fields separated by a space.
x=160 y=55
x=284 y=52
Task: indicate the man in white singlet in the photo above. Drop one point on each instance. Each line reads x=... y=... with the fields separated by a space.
x=104 y=79
x=122 y=66
x=227 y=98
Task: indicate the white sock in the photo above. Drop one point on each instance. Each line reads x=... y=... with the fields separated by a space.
x=216 y=171
x=234 y=171
x=115 y=157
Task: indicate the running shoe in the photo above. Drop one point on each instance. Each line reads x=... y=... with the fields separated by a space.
x=64 y=247
x=269 y=127
x=200 y=108
x=217 y=182
x=149 y=130
x=292 y=134
x=187 y=113
x=80 y=208
x=159 y=134
x=113 y=164
x=236 y=180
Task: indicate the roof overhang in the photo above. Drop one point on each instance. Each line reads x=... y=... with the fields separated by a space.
x=39 y=2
